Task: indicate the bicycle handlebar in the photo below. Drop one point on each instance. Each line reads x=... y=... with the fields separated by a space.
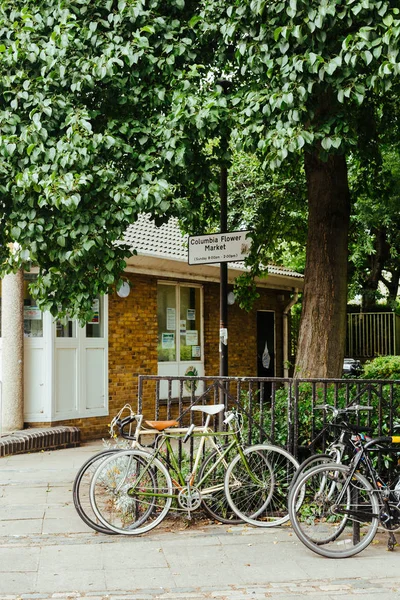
x=339 y=411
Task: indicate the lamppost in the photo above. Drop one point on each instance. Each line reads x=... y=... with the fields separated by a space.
x=223 y=297
x=223 y=290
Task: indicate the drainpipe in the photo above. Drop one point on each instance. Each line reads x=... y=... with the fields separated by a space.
x=285 y=315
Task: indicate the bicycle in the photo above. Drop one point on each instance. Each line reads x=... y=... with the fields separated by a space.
x=214 y=505
x=344 y=446
x=342 y=508
x=132 y=492
x=81 y=486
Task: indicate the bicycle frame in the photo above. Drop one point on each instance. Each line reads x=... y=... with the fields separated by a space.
x=380 y=488
x=164 y=441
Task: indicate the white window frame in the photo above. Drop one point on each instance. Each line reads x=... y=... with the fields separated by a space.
x=178 y=285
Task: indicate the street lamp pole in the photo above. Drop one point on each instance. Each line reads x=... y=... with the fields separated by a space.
x=223 y=291
x=223 y=298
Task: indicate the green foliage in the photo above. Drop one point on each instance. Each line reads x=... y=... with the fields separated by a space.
x=110 y=108
x=85 y=89
x=382 y=367
x=307 y=70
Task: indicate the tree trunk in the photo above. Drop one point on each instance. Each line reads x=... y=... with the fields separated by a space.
x=322 y=333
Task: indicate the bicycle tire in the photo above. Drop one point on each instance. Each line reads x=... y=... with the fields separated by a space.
x=323 y=525
x=81 y=488
x=308 y=464
x=257 y=488
x=215 y=503
x=117 y=500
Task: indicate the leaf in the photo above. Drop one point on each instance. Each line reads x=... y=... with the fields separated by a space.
x=367 y=57
x=326 y=143
x=15 y=233
x=388 y=20
x=11 y=148
x=89 y=244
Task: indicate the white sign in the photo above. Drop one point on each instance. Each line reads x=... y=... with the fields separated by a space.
x=219 y=247
x=32 y=313
x=168 y=341
x=171 y=319
x=192 y=338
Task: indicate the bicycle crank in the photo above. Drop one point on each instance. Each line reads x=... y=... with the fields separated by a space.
x=189 y=499
x=389 y=518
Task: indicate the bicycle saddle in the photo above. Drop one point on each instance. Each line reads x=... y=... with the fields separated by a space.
x=161 y=425
x=214 y=409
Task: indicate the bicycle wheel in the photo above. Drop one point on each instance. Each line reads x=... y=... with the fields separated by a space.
x=257 y=486
x=338 y=516
x=309 y=463
x=131 y=492
x=211 y=481
x=81 y=487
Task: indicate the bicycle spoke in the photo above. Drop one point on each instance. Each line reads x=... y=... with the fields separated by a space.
x=257 y=487
x=130 y=495
x=337 y=516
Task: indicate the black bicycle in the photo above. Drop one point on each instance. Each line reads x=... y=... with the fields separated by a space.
x=347 y=437
x=343 y=506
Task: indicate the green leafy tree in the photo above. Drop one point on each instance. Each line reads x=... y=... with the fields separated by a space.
x=312 y=77
x=84 y=90
x=110 y=108
x=375 y=237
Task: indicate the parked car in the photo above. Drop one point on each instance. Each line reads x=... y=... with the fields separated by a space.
x=352 y=367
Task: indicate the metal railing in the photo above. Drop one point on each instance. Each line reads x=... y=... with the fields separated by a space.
x=273 y=409
x=372 y=334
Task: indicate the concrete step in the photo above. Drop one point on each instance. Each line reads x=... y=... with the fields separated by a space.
x=37 y=439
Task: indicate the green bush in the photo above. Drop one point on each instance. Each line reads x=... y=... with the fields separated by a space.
x=383 y=367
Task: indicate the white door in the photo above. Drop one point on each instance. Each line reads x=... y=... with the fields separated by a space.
x=180 y=334
x=81 y=366
x=37 y=359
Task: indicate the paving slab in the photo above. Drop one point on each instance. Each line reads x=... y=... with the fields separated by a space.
x=48 y=553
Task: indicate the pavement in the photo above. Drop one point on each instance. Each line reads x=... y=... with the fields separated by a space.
x=46 y=551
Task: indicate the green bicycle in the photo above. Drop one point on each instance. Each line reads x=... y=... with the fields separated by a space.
x=132 y=491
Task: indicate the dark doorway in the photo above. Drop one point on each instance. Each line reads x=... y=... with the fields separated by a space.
x=265 y=343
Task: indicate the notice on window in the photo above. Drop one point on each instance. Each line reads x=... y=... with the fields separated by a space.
x=196 y=352
x=168 y=341
x=192 y=338
x=182 y=326
x=32 y=313
x=171 y=319
x=191 y=314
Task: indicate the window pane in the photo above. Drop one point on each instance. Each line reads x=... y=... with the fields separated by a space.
x=67 y=330
x=95 y=329
x=166 y=315
x=190 y=324
x=33 y=316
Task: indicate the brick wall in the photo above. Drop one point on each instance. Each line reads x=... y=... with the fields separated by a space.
x=133 y=344
x=242 y=331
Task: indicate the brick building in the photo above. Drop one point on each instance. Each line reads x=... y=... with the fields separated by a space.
x=166 y=322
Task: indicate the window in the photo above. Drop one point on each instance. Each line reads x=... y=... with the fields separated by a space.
x=166 y=313
x=33 y=316
x=95 y=328
x=66 y=330
x=179 y=323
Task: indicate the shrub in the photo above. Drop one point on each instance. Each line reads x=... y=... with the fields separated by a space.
x=382 y=367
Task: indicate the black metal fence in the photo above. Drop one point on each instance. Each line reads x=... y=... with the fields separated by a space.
x=282 y=411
